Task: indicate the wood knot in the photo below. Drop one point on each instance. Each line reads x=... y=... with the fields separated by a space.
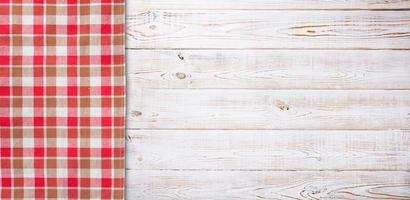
x=152 y=27
x=135 y=113
x=129 y=138
x=311 y=31
x=180 y=75
x=282 y=105
x=313 y=189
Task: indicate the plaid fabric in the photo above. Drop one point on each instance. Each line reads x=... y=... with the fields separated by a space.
x=62 y=99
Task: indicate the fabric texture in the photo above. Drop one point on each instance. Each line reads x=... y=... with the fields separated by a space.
x=62 y=99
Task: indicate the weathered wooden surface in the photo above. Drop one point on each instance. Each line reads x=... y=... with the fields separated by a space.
x=268 y=99
x=266 y=4
x=269 y=109
x=269 y=29
x=268 y=150
x=251 y=185
x=269 y=69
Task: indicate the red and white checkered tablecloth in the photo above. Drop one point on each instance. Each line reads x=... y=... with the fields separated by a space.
x=62 y=99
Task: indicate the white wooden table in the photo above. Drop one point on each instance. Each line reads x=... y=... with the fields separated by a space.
x=268 y=99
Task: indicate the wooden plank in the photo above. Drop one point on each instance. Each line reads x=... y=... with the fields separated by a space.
x=268 y=109
x=269 y=69
x=251 y=185
x=268 y=29
x=265 y=4
x=268 y=150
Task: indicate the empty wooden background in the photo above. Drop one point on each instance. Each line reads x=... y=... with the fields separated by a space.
x=268 y=99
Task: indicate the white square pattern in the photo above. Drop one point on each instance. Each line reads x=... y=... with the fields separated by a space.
x=62 y=172
x=28 y=142
x=95 y=19
x=28 y=172
x=95 y=142
x=95 y=111
x=28 y=111
x=95 y=173
x=61 y=81
x=27 y=80
x=27 y=20
x=61 y=50
x=61 y=142
x=95 y=81
x=28 y=50
x=61 y=20
x=61 y=111
x=95 y=50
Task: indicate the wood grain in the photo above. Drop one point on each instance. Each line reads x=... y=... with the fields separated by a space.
x=268 y=150
x=251 y=185
x=268 y=99
x=268 y=109
x=266 y=4
x=269 y=69
x=268 y=29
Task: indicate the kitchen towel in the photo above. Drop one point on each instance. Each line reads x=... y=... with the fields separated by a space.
x=62 y=99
